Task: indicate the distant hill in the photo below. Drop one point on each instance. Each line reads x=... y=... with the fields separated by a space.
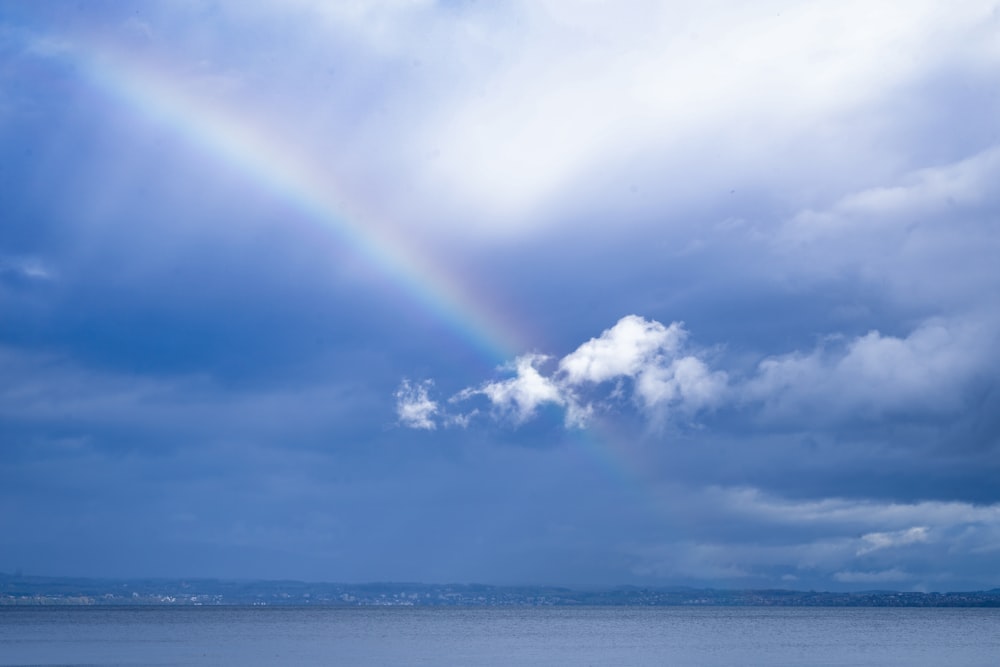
x=35 y=590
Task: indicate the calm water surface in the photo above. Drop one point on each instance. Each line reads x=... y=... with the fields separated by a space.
x=496 y=636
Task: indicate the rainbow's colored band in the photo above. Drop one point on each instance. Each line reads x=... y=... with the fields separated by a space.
x=251 y=150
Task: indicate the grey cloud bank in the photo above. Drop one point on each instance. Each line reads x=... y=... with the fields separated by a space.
x=739 y=263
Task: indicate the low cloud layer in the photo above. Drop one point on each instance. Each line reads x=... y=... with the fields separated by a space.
x=800 y=542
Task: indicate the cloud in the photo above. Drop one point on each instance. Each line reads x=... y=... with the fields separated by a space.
x=878 y=541
x=753 y=170
x=510 y=108
x=745 y=534
x=687 y=383
x=644 y=353
x=875 y=374
x=549 y=111
x=872 y=516
x=924 y=237
x=648 y=365
x=521 y=395
x=414 y=407
x=626 y=349
x=929 y=196
x=53 y=393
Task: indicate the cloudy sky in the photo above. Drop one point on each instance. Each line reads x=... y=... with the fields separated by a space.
x=583 y=293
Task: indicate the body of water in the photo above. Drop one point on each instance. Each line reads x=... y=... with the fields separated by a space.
x=497 y=636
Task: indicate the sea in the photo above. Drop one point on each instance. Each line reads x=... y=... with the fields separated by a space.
x=443 y=636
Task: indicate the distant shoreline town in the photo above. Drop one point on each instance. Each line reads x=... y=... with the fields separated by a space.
x=18 y=590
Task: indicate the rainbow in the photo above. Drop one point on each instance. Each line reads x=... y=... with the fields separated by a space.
x=250 y=150
x=230 y=137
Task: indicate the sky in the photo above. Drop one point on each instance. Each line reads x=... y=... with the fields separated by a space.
x=543 y=292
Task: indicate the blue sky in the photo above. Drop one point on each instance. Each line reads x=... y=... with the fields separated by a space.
x=530 y=292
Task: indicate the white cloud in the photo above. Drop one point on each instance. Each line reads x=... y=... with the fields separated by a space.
x=875 y=373
x=459 y=420
x=645 y=363
x=686 y=382
x=870 y=516
x=926 y=237
x=626 y=349
x=744 y=533
x=648 y=353
x=644 y=353
x=876 y=541
x=414 y=407
x=924 y=196
x=584 y=85
x=521 y=395
x=512 y=107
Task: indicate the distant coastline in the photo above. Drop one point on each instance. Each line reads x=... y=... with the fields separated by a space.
x=18 y=590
